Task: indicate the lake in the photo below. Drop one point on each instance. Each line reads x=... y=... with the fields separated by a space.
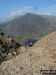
x=29 y=43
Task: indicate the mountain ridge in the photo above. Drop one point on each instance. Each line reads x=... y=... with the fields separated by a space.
x=30 y=25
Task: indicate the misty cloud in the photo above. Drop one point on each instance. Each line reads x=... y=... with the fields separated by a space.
x=22 y=11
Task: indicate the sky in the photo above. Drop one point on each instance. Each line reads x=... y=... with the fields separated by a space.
x=11 y=8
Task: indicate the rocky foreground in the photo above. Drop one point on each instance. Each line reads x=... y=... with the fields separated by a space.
x=8 y=46
x=31 y=60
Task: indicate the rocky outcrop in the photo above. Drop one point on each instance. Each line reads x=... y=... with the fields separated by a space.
x=31 y=60
x=7 y=45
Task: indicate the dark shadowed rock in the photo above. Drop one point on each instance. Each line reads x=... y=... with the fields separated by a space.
x=7 y=47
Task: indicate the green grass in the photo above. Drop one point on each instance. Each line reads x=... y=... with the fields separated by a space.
x=25 y=38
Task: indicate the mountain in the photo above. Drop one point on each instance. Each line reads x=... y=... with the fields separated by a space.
x=30 y=25
x=31 y=60
x=2 y=25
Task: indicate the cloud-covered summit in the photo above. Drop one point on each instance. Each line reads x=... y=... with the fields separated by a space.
x=22 y=11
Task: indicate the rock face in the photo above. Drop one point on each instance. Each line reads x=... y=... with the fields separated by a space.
x=7 y=46
x=31 y=60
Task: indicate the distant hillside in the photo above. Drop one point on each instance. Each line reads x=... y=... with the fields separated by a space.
x=30 y=25
x=2 y=25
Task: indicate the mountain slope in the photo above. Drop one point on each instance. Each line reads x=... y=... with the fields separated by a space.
x=30 y=25
x=31 y=60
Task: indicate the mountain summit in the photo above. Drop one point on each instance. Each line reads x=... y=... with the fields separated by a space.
x=30 y=25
